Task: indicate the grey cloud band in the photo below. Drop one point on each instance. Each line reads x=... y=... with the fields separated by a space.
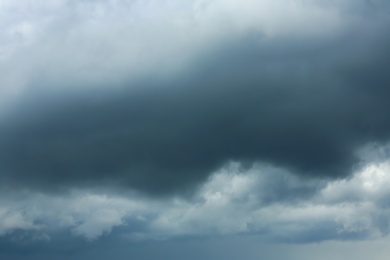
x=307 y=108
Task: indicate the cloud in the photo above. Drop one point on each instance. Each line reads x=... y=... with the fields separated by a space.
x=239 y=204
x=264 y=201
x=307 y=108
x=157 y=95
x=134 y=125
x=104 y=42
x=11 y=220
x=84 y=214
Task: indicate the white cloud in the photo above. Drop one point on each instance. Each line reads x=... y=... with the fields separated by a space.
x=85 y=214
x=11 y=220
x=97 y=215
x=234 y=200
x=93 y=43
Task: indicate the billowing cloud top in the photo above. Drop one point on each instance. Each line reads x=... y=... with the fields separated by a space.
x=160 y=97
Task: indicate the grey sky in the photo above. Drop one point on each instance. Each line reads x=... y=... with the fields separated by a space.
x=191 y=126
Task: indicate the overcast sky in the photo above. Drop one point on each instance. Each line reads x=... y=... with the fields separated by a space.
x=194 y=129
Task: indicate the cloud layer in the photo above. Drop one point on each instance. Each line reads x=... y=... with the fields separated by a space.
x=307 y=107
x=269 y=202
x=142 y=121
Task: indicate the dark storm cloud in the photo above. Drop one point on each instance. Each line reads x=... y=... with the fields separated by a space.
x=306 y=107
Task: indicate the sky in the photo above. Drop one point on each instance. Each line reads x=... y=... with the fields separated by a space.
x=194 y=129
